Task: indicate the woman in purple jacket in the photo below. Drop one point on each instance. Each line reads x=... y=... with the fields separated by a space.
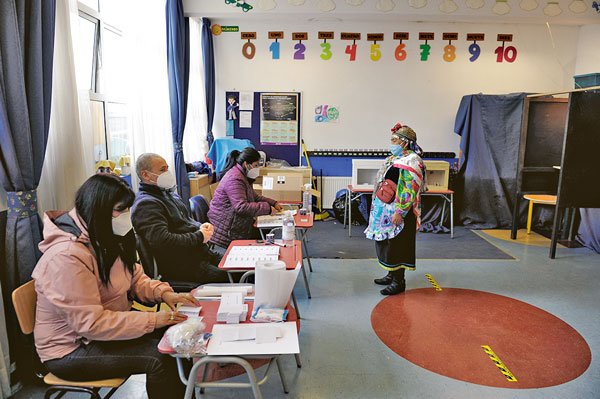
x=235 y=204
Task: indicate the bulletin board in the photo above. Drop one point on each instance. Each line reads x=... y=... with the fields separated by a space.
x=275 y=124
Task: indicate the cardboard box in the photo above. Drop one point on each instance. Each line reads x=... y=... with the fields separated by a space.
x=283 y=186
x=213 y=188
x=196 y=183
x=303 y=171
x=438 y=173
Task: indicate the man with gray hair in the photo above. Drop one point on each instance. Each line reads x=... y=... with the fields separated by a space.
x=163 y=222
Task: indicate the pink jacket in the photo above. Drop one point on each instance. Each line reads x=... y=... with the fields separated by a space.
x=73 y=305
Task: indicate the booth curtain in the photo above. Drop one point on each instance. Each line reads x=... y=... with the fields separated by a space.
x=178 y=67
x=490 y=129
x=26 y=56
x=208 y=57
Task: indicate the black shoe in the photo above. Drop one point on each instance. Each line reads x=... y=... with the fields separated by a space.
x=387 y=280
x=396 y=287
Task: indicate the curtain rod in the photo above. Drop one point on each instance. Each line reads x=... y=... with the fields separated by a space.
x=564 y=92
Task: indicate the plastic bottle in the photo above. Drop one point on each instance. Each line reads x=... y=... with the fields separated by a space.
x=288 y=233
x=307 y=199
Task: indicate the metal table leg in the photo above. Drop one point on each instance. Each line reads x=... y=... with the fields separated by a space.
x=452 y=215
x=305 y=280
x=303 y=234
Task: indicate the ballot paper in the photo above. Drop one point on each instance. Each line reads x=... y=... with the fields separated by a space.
x=191 y=311
x=243 y=256
x=286 y=340
x=273 y=284
x=269 y=221
x=232 y=308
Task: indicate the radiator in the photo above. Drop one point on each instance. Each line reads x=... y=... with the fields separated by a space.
x=330 y=186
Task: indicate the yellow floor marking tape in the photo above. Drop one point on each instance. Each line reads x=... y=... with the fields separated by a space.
x=433 y=282
x=501 y=366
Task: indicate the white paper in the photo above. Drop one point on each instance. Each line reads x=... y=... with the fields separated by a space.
x=245 y=119
x=262 y=334
x=243 y=256
x=286 y=344
x=246 y=100
x=191 y=311
x=267 y=334
x=273 y=284
x=218 y=291
x=267 y=183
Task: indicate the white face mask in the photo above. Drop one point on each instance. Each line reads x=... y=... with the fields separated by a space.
x=121 y=225
x=253 y=173
x=165 y=180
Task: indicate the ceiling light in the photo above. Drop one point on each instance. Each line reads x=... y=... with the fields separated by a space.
x=475 y=4
x=552 y=9
x=578 y=6
x=266 y=5
x=501 y=7
x=296 y=2
x=528 y=5
x=326 y=5
x=448 y=6
x=417 y=3
x=385 y=5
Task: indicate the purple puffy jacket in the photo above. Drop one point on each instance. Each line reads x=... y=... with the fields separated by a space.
x=234 y=206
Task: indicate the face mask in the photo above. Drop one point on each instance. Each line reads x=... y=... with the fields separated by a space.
x=166 y=180
x=396 y=149
x=121 y=225
x=253 y=173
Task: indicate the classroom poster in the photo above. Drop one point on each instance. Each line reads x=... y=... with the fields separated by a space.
x=279 y=118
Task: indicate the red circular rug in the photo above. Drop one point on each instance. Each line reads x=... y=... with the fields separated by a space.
x=444 y=331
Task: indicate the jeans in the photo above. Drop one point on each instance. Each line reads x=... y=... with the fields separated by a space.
x=111 y=359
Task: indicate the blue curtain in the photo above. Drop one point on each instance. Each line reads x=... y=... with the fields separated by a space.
x=26 y=55
x=178 y=65
x=208 y=57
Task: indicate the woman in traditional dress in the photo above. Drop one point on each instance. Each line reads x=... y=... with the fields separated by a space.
x=396 y=211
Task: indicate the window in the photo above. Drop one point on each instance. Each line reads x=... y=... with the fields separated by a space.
x=100 y=65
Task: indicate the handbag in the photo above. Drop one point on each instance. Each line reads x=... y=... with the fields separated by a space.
x=386 y=192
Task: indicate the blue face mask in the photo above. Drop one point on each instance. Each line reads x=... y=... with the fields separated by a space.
x=396 y=149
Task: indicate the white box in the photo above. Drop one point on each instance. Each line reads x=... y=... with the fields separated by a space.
x=438 y=174
x=364 y=172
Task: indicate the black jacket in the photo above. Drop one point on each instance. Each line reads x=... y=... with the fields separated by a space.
x=173 y=237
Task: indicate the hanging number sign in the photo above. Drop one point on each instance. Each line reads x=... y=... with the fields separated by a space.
x=274 y=47
x=400 y=53
x=425 y=48
x=508 y=54
x=474 y=48
x=449 y=49
x=248 y=49
x=299 y=47
x=326 y=53
x=375 y=48
x=351 y=48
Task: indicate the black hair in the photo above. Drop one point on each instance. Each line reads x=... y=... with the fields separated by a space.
x=94 y=202
x=248 y=154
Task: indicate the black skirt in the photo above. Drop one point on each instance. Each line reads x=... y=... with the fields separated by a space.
x=399 y=252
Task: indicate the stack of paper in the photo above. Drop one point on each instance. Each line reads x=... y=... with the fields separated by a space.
x=192 y=312
x=213 y=290
x=269 y=221
x=286 y=340
x=232 y=309
x=242 y=256
x=261 y=334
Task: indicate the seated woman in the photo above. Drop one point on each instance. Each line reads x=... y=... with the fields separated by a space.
x=235 y=204
x=84 y=327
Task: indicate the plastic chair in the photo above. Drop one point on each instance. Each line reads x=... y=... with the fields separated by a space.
x=24 y=300
x=537 y=199
x=199 y=207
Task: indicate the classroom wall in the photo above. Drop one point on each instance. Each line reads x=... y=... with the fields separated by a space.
x=372 y=96
x=588 y=50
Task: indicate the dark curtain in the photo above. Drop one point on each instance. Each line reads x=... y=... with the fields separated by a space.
x=208 y=57
x=589 y=229
x=178 y=65
x=490 y=128
x=26 y=55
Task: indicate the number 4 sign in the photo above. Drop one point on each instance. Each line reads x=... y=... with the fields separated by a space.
x=508 y=54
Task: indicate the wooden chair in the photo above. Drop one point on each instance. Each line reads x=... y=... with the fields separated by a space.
x=24 y=300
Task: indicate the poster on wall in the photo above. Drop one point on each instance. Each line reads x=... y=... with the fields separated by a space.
x=327 y=113
x=279 y=118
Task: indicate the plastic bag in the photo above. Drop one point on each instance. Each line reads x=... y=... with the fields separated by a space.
x=188 y=338
x=339 y=206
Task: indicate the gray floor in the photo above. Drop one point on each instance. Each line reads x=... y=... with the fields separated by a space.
x=343 y=358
